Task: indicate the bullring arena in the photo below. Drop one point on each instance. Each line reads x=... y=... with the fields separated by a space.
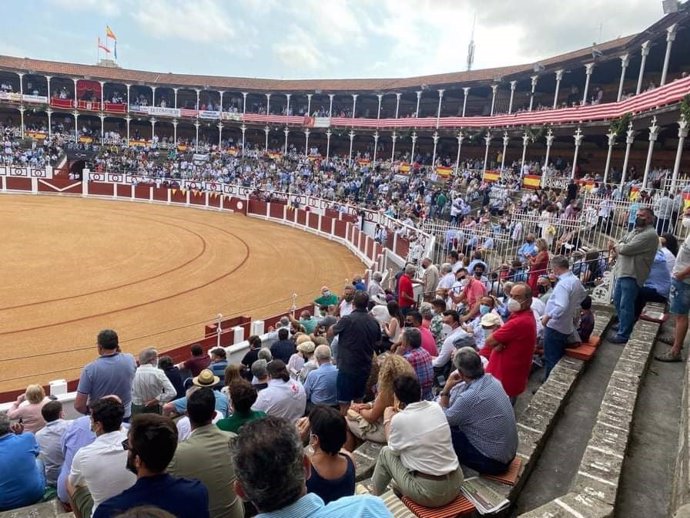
x=155 y=274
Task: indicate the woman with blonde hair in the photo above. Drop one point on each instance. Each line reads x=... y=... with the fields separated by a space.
x=365 y=420
x=27 y=408
x=538 y=264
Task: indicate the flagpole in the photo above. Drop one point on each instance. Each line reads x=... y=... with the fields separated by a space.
x=98 y=50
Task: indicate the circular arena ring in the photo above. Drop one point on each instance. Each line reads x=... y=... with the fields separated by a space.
x=154 y=273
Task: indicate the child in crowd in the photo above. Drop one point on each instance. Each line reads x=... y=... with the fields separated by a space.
x=586 y=320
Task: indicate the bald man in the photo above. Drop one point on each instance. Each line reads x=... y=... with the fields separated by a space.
x=512 y=345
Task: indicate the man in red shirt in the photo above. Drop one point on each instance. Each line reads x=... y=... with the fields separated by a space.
x=512 y=345
x=405 y=290
x=198 y=362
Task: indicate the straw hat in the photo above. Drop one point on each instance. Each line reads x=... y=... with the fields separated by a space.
x=206 y=378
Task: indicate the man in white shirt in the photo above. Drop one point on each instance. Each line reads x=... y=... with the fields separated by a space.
x=284 y=397
x=150 y=387
x=419 y=457
x=99 y=469
x=345 y=307
x=452 y=320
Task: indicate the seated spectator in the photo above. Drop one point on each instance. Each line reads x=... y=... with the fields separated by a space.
x=165 y=363
x=284 y=397
x=198 y=362
x=49 y=440
x=481 y=418
x=251 y=356
x=320 y=385
x=303 y=356
x=22 y=479
x=414 y=319
x=206 y=456
x=438 y=307
x=426 y=471
x=365 y=420
x=279 y=489
x=528 y=249
x=99 y=470
x=584 y=330
x=149 y=447
x=233 y=372
x=451 y=319
x=204 y=379
x=332 y=468
x=412 y=350
x=27 y=408
x=265 y=354
x=218 y=363
x=150 y=387
x=284 y=347
x=657 y=286
x=184 y=425
x=77 y=435
x=306 y=320
x=260 y=374
x=306 y=349
x=242 y=397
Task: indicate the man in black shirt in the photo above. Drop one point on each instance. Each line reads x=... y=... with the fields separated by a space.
x=284 y=347
x=357 y=334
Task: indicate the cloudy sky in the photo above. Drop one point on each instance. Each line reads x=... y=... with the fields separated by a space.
x=315 y=38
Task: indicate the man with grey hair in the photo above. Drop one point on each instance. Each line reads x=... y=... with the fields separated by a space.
x=22 y=479
x=447 y=280
x=278 y=488
x=150 y=387
x=481 y=418
x=260 y=373
x=430 y=278
x=406 y=299
x=375 y=291
x=562 y=308
x=320 y=384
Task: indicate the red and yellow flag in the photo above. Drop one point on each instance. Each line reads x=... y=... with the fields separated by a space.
x=109 y=33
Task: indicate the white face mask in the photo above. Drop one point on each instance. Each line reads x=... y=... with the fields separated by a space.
x=514 y=306
x=686 y=222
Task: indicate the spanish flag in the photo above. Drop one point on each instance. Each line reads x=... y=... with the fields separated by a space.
x=109 y=33
x=443 y=171
x=491 y=176
x=531 y=181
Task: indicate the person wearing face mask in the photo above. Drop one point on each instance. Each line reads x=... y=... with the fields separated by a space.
x=151 y=387
x=679 y=299
x=345 y=307
x=511 y=347
x=562 y=310
x=150 y=446
x=327 y=298
x=474 y=291
x=635 y=253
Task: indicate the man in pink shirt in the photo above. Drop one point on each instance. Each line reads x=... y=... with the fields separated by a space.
x=406 y=299
x=414 y=319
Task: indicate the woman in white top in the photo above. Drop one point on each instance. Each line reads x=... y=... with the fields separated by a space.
x=393 y=328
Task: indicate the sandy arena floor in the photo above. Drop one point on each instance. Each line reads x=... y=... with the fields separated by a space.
x=155 y=274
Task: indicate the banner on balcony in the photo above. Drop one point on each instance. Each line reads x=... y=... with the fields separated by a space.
x=491 y=176
x=208 y=114
x=443 y=171
x=161 y=111
x=531 y=181
x=231 y=116
x=10 y=96
x=36 y=99
x=317 y=122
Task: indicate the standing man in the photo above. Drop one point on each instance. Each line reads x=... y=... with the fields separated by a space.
x=405 y=290
x=512 y=345
x=561 y=310
x=680 y=297
x=357 y=334
x=111 y=373
x=636 y=253
x=151 y=387
x=430 y=279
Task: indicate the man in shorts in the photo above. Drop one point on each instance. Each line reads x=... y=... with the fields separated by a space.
x=679 y=299
x=357 y=334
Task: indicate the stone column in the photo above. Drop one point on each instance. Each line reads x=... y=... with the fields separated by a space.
x=494 y=87
x=352 y=140
x=506 y=139
x=395 y=138
x=612 y=140
x=653 y=134
x=466 y=92
x=625 y=61
x=414 y=143
x=487 y=139
x=559 y=78
x=433 y=155
x=397 y=104
x=578 y=142
x=438 y=112
x=644 y=51
x=629 y=139
x=589 y=67
x=535 y=79
x=328 y=143
x=512 y=95
x=549 y=143
x=461 y=137
x=376 y=146
x=682 y=135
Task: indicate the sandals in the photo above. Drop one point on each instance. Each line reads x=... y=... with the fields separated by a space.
x=669 y=357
